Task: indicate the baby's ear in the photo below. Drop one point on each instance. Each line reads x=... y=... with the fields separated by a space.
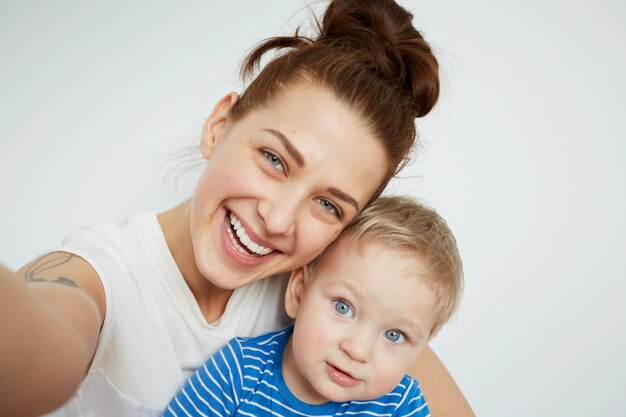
x=294 y=291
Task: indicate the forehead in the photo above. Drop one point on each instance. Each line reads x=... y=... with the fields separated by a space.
x=387 y=280
x=337 y=145
x=312 y=114
x=348 y=253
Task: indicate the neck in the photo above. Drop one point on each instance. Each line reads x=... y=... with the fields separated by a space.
x=175 y=224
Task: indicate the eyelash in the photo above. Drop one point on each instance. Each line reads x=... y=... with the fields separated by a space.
x=402 y=336
x=334 y=208
x=272 y=158
x=345 y=302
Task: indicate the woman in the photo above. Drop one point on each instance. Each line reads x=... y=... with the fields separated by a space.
x=121 y=314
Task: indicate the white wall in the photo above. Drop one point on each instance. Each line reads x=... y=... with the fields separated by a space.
x=524 y=156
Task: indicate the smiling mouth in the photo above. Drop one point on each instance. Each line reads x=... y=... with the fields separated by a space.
x=241 y=240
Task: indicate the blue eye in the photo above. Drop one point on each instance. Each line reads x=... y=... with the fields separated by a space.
x=274 y=160
x=329 y=206
x=395 y=336
x=343 y=308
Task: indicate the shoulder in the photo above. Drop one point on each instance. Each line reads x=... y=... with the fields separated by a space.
x=260 y=351
x=113 y=234
x=411 y=399
x=98 y=258
x=115 y=251
x=267 y=340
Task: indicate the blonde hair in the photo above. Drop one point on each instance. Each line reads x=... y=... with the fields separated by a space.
x=403 y=224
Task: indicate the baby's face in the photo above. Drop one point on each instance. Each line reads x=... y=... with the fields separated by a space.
x=362 y=321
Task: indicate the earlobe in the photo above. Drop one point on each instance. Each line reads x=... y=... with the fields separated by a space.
x=215 y=123
x=294 y=291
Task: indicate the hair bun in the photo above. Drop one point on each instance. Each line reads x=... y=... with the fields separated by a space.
x=383 y=30
x=369 y=56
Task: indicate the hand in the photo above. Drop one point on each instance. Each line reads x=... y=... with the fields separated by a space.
x=5 y=273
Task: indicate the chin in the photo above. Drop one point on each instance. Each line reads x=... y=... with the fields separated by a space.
x=338 y=395
x=231 y=283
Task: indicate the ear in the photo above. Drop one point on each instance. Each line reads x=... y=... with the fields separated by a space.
x=215 y=123
x=295 y=288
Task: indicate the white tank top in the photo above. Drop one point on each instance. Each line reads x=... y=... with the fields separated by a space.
x=154 y=335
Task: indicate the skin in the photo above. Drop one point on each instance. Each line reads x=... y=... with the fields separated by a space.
x=50 y=330
x=288 y=175
x=444 y=396
x=362 y=319
x=54 y=307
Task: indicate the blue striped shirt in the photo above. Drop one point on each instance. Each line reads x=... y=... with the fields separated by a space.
x=244 y=378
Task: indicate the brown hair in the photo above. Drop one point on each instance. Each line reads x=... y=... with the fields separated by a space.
x=369 y=55
x=403 y=224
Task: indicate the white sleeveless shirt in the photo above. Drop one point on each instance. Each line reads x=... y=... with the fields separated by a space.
x=154 y=335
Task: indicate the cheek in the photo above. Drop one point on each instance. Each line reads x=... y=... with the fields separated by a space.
x=314 y=237
x=200 y=201
x=217 y=184
x=313 y=329
x=383 y=382
x=311 y=345
x=220 y=178
x=207 y=187
x=390 y=369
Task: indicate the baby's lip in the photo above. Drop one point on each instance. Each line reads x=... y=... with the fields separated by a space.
x=341 y=376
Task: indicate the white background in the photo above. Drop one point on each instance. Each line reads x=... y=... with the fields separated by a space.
x=524 y=156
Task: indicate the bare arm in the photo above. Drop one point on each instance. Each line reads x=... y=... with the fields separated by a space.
x=444 y=397
x=51 y=312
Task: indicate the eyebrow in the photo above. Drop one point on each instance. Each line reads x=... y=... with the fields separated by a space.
x=345 y=197
x=346 y=285
x=293 y=151
x=297 y=156
x=419 y=332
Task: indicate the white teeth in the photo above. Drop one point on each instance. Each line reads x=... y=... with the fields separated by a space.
x=244 y=238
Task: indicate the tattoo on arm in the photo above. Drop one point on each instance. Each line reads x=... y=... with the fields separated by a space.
x=43 y=264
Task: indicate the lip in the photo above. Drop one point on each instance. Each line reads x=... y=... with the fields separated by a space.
x=341 y=377
x=244 y=260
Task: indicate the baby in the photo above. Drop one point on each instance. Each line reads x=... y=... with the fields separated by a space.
x=363 y=310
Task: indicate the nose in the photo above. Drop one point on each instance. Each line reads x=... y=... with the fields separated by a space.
x=279 y=211
x=358 y=345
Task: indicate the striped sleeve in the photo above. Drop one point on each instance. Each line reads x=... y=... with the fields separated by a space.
x=413 y=403
x=215 y=388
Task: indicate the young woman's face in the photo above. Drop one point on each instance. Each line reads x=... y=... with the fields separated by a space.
x=280 y=184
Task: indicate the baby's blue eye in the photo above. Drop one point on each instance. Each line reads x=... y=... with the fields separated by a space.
x=343 y=308
x=394 y=336
x=274 y=160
